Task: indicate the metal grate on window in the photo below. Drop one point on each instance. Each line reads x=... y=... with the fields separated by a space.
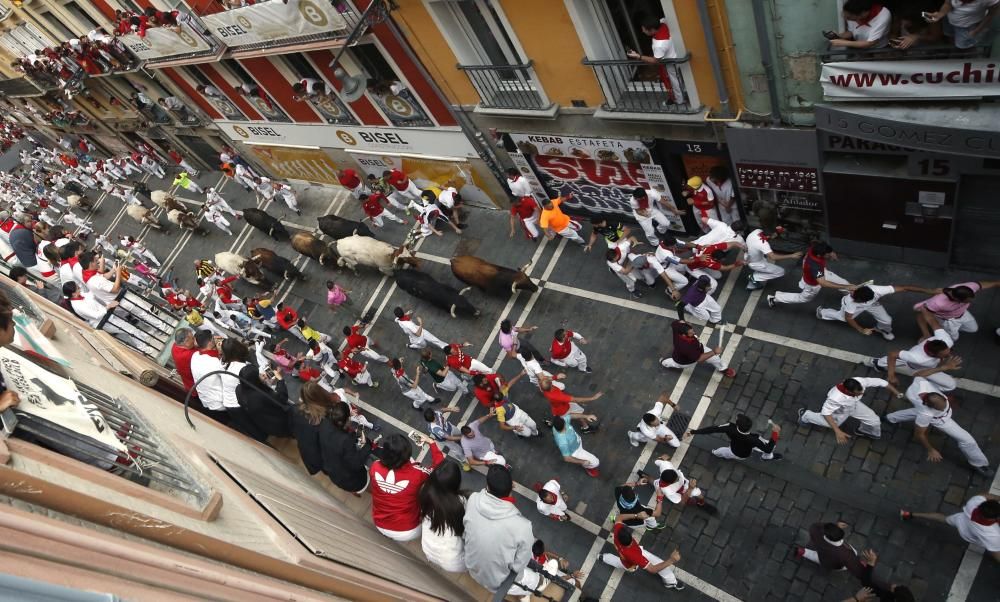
x=149 y=462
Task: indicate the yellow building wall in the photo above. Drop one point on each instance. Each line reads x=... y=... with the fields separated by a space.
x=549 y=38
x=429 y=44
x=694 y=40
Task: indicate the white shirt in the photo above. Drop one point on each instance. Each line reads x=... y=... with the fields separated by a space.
x=987 y=536
x=926 y=416
x=101 y=288
x=840 y=403
x=724 y=191
x=209 y=390
x=666 y=257
x=718 y=231
x=876 y=29
x=447 y=198
x=916 y=358
x=89 y=309
x=229 y=385
x=559 y=507
x=850 y=306
x=664 y=49
x=673 y=491
x=519 y=187
x=969 y=14
x=757 y=248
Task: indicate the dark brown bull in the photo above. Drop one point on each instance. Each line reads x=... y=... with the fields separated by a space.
x=338 y=227
x=272 y=262
x=266 y=223
x=490 y=278
x=310 y=246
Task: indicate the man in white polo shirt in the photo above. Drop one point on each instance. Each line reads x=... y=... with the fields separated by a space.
x=867 y=25
x=932 y=356
x=760 y=257
x=868 y=298
x=662 y=48
x=931 y=409
x=843 y=401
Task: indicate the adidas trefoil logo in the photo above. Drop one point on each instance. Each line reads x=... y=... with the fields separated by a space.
x=388 y=483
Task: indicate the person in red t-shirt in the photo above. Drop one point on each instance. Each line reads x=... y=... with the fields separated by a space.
x=702 y=199
x=566 y=353
x=350 y=180
x=184 y=347
x=489 y=389
x=815 y=276
x=396 y=480
x=288 y=319
x=404 y=190
x=631 y=556
x=563 y=403
x=374 y=211
x=356 y=341
x=460 y=361
x=358 y=371
x=526 y=211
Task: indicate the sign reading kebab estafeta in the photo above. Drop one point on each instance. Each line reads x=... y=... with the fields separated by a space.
x=269 y=21
x=910 y=80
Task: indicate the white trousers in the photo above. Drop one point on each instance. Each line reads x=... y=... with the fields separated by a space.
x=491 y=457
x=364 y=378
x=570 y=233
x=531 y=225
x=765 y=270
x=521 y=418
x=374 y=355
x=715 y=361
x=576 y=359
x=883 y=320
x=628 y=279
x=727 y=454
x=452 y=382
x=951 y=428
x=964 y=323
x=870 y=423
x=666 y=574
x=417 y=395
x=809 y=291
x=653 y=223
x=188 y=167
x=290 y=200
x=590 y=460
x=378 y=220
x=707 y=311
x=425 y=338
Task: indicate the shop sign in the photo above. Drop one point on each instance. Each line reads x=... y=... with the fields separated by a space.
x=800 y=202
x=272 y=21
x=447 y=142
x=160 y=42
x=777 y=177
x=601 y=149
x=910 y=80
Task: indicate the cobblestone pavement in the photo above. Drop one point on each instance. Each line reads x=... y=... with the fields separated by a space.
x=784 y=357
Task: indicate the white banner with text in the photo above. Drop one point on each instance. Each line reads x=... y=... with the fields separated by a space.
x=271 y=21
x=160 y=42
x=889 y=80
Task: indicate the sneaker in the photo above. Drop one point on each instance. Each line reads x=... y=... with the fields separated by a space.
x=589 y=370
x=729 y=372
x=466 y=466
x=873 y=363
x=642 y=475
x=800 y=551
x=417 y=405
x=983 y=471
x=886 y=335
x=587 y=430
x=775 y=456
x=593 y=472
x=859 y=433
x=636 y=294
x=375 y=385
x=770 y=301
x=753 y=285
x=658 y=527
x=632 y=440
x=547 y=423
x=819 y=313
x=801 y=412
x=376 y=427
x=675 y=586
x=905 y=515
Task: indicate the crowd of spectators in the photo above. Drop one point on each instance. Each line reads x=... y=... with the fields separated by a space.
x=66 y=64
x=905 y=24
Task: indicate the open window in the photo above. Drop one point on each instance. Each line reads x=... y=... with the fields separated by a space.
x=329 y=104
x=388 y=89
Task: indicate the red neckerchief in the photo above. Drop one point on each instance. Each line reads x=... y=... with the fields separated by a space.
x=508 y=498
x=763 y=237
x=404 y=318
x=872 y=13
x=978 y=518
x=210 y=352
x=663 y=33
x=643 y=202
x=843 y=389
x=399 y=373
x=88 y=274
x=541 y=558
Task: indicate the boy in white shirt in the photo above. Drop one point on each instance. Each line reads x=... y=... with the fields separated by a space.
x=652 y=428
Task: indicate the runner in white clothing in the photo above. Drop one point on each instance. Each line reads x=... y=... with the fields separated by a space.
x=978 y=523
x=552 y=501
x=760 y=257
x=867 y=298
x=843 y=401
x=652 y=428
x=213 y=198
x=413 y=327
x=932 y=409
x=650 y=218
x=932 y=356
x=410 y=387
x=214 y=215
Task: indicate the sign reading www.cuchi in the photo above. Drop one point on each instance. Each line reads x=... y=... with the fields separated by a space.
x=893 y=80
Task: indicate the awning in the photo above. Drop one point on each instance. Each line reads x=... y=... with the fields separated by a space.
x=962 y=129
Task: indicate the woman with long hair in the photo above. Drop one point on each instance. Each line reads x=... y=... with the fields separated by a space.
x=308 y=419
x=442 y=510
x=345 y=452
x=267 y=412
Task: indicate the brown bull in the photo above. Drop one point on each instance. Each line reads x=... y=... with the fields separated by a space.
x=490 y=278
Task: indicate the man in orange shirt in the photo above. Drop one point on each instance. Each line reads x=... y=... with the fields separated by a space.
x=553 y=221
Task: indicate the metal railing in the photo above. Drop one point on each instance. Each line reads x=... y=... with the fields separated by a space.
x=915 y=53
x=506 y=86
x=634 y=86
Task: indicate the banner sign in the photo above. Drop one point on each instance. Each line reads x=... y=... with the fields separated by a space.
x=913 y=80
x=271 y=21
x=161 y=42
x=306 y=164
x=445 y=142
x=55 y=399
x=602 y=149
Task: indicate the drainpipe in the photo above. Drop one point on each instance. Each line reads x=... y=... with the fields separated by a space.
x=766 y=61
x=713 y=57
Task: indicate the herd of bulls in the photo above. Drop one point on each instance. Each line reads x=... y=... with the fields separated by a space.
x=354 y=246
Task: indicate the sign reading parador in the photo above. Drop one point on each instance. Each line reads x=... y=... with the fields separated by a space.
x=269 y=21
x=445 y=142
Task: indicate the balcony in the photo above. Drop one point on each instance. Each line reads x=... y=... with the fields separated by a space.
x=165 y=46
x=633 y=86
x=504 y=88
x=915 y=53
x=261 y=27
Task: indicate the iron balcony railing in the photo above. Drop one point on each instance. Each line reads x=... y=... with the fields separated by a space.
x=634 y=86
x=915 y=53
x=506 y=87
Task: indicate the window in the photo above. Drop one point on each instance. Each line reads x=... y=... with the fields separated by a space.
x=259 y=97
x=54 y=26
x=480 y=21
x=626 y=16
x=330 y=106
x=370 y=58
x=81 y=16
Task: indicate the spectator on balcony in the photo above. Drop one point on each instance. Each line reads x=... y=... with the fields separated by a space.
x=253 y=91
x=911 y=29
x=663 y=48
x=310 y=89
x=967 y=20
x=867 y=25
x=177 y=107
x=210 y=91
